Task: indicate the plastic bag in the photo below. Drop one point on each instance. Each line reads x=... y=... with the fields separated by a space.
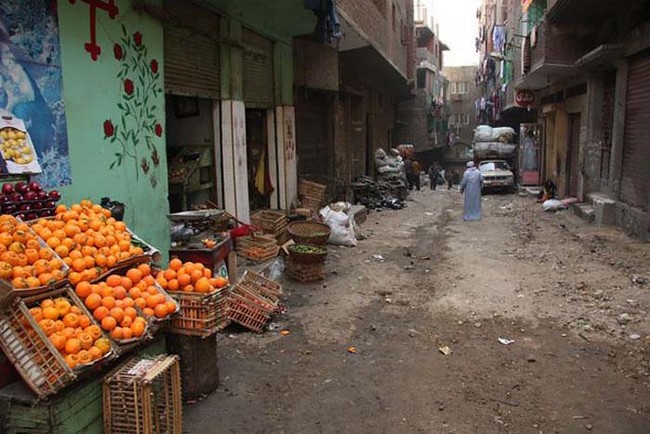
x=341 y=227
x=553 y=205
x=483 y=133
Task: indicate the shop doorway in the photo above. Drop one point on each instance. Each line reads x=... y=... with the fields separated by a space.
x=257 y=156
x=190 y=146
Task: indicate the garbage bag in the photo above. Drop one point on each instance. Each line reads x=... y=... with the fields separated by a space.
x=341 y=227
x=553 y=205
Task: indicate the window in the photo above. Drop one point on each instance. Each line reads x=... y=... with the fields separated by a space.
x=452 y=88
x=459 y=119
x=462 y=87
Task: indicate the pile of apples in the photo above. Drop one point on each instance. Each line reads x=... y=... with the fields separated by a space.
x=27 y=201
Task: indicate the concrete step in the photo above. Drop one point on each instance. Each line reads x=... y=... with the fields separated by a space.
x=585 y=211
x=605 y=208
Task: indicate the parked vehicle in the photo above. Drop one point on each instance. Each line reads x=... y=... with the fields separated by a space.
x=497 y=175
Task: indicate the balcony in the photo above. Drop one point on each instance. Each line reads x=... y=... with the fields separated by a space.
x=426 y=59
x=550 y=53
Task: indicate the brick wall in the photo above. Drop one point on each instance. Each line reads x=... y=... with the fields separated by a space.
x=369 y=17
x=463 y=104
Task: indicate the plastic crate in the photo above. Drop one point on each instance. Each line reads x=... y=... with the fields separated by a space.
x=143 y=396
x=200 y=314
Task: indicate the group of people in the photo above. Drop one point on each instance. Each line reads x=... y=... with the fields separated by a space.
x=470 y=185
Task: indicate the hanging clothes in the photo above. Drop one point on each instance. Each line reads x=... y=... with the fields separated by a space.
x=328 y=27
x=499 y=38
x=263 y=183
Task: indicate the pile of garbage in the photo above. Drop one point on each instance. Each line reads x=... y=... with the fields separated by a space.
x=494 y=142
x=389 y=189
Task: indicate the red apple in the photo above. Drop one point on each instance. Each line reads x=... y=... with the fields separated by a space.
x=21 y=187
x=8 y=188
x=54 y=195
x=34 y=186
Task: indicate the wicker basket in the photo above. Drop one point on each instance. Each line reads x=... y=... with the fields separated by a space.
x=200 y=314
x=312 y=189
x=305 y=273
x=307 y=258
x=143 y=396
x=306 y=232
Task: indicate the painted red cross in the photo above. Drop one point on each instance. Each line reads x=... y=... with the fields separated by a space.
x=108 y=6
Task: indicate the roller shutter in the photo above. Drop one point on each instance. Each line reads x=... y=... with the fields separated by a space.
x=191 y=49
x=635 y=175
x=258 y=70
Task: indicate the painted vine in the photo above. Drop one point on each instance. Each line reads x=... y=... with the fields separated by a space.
x=137 y=130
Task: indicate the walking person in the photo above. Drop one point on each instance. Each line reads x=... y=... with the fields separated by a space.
x=408 y=168
x=434 y=175
x=471 y=186
x=416 y=174
x=450 y=180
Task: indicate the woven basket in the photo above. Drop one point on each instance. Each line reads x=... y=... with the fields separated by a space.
x=307 y=258
x=315 y=233
x=305 y=273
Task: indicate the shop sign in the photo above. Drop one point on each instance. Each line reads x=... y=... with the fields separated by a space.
x=524 y=98
x=525 y=4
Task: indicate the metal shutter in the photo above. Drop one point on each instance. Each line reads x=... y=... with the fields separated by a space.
x=635 y=176
x=258 y=70
x=191 y=49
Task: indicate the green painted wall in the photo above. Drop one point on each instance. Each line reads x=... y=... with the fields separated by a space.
x=122 y=89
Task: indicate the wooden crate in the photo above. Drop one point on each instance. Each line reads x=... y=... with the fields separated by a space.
x=200 y=314
x=271 y=222
x=264 y=288
x=258 y=248
x=143 y=396
x=313 y=189
x=249 y=312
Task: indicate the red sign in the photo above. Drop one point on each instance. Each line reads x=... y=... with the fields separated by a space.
x=524 y=98
x=525 y=4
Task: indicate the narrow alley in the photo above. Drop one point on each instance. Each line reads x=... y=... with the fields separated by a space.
x=573 y=297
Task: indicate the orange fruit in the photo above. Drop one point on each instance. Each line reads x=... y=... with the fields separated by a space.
x=95 y=353
x=141 y=302
x=117 y=313
x=74 y=277
x=48 y=302
x=37 y=313
x=94 y=331
x=149 y=280
x=135 y=275
x=78 y=265
x=128 y=302
x=221 y=282
x=114 y=280
x=207 y=272
x=71 y=360
x=71 y=320
x=119 y=292
x=72 y=346
x=69 y=332
x=90 y=261
x=172 y=285
x=93 y=301
x=138 y=327
x=169 y=274
x=109 y=323
x=184 y=280
x=130 y=312
x=116 y=333
x=86 y=340
x=103 y=345
x=135 y=292
x=126 y=321
x=188 y=288
x=203 y=285
x=83 y=357
x=171 y=307
x=50 y=312
x=58 y=325
x=106 y=291
x=145 y=269
x=83 y=289
x=100 y=313
x=161 y=310
x=84 y=321
x=126 y=283
x=196 y=275
x=127 y=333
x=152 y=301
x=58 y=340
x=108 y=302
x=147 y=311
x=175 y=264
x=53 y=242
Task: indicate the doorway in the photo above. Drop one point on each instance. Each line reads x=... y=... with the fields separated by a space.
x=257 y=156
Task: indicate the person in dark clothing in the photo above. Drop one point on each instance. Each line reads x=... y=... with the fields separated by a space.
x=450 y=180
x=408 y=168
x=416 y=174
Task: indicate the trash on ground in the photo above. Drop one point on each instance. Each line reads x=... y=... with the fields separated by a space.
x=285 y=332
x=352 y=350
x=635 y=336
x=506 y=341
x=445 y=350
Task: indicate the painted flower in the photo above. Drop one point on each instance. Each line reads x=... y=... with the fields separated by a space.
x=128 y=86
x=109 y=129
x=158 y=130
x=155 y=157
x=137 y=38
x=117 y=50
x=154 y=66
x=144 y=164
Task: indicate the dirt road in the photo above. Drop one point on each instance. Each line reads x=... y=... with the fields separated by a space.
x=573 y=297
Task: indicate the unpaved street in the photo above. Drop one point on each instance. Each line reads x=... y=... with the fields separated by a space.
x=573 y=297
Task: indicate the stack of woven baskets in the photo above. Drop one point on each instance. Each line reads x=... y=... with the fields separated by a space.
x=311 y=194
x=306 y=260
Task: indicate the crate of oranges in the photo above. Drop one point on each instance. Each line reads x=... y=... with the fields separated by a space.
x=26 y=262
x=125 y=301
x=91 y=242
x=50 y=338
x=203 y=298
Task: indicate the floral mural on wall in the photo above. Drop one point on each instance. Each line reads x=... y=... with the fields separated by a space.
x=137 y=132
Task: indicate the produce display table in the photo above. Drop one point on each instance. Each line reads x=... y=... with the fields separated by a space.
x=210 y=258
x=76 y=409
